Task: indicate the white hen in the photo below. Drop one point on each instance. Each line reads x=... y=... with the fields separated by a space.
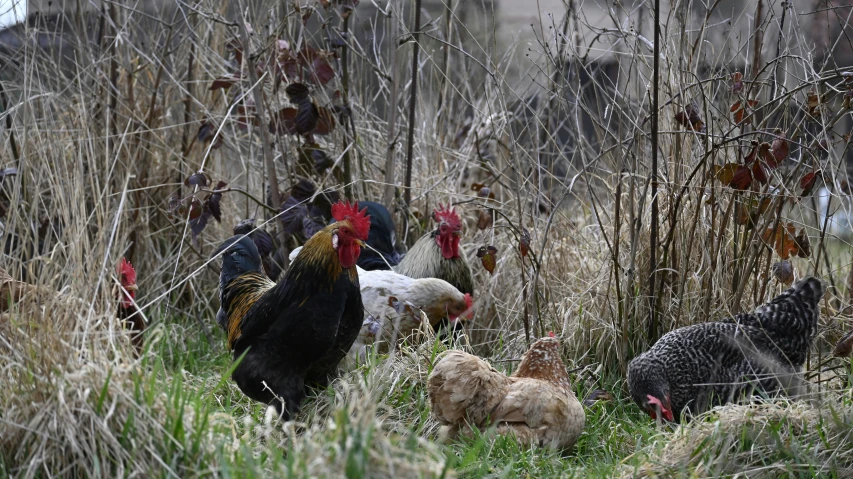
x=394 y=305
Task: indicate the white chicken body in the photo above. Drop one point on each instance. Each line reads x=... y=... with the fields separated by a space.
x=395 y=306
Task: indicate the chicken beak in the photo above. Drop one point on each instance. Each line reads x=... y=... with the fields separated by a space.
x=131 y=288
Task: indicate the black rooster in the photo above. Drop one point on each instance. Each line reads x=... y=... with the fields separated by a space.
x=381 y=239
x=697 y=367
x=293 y=333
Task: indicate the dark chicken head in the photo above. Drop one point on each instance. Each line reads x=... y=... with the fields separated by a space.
x=650 y=392
x=127 y=278
x=239 y=256
x=350 y=232
x=449 y=231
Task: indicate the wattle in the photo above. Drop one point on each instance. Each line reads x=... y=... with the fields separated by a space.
x=449 y=247
x=348 y=255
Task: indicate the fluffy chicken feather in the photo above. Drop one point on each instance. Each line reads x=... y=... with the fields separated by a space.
x=295 y=332
x=437 y=254
x=381 y=241
x=694 y=368
x=536 y=403
x=393 y=304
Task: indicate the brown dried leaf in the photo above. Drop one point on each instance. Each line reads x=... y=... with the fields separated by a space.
x=726 y=172
x=689 y=118
x=803 y=244
x=524 y=242
x=743 y=216
x=485 y=220
x=297 y=92
x=737 y=82
x=307 y=117
x=325 y=122
x=758 y=173
x=844 y=347
x=812 y=102
x=284 y=122
x=780 y=149
x=808 y=181
x=741 y=179
x=321 y=71
x=782 y=240
x=196 y=209
x=486 y=192
x=739 y=109
x=225 y=82
x=198 y=178
x=488 y=257
x=766 y=156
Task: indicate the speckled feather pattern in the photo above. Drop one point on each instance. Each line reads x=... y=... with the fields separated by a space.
x=536 y=403
x=718 y=362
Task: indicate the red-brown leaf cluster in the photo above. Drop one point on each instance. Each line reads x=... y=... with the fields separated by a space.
x=740 y=111
x=488 y=257
x=786 y=241
x=524 y=242
x=737 y=82
x=306 y=119
x=689 y=118
x=197 y=212
x=761 y=159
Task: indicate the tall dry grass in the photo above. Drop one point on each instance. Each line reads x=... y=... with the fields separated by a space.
x=104 y=131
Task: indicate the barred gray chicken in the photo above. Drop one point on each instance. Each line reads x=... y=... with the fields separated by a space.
x=697 y=367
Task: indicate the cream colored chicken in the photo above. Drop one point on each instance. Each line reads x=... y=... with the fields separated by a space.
x=536 y=403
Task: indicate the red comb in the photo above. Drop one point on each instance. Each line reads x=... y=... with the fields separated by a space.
x=359 y=220
x=446 y=214
x=469 y=304
x=126 y=273
x=551 y=334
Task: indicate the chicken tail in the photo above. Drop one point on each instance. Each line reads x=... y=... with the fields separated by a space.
x=799 y=302
x=809 y=291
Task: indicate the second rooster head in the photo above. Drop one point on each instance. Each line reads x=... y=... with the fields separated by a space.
x=127 y=278
x=449 y=231
x=349 y=232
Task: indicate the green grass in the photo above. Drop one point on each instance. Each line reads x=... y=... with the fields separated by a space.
x=193 y=374
x=177 y=413
x=231 y=436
